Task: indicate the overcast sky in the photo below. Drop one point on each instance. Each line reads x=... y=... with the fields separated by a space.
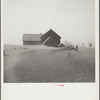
x=73 y=20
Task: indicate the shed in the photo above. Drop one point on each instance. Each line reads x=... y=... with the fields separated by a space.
x=32 y=39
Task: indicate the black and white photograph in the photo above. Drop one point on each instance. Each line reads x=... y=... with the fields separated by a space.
x=49 y=41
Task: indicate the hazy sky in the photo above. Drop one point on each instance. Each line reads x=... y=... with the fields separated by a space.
x=73 y=20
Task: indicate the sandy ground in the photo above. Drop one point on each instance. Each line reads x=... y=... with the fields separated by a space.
x=43 y=64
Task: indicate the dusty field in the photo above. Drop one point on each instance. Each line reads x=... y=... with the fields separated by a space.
x=46 y=64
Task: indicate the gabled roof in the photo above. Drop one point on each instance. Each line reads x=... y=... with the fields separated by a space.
x=32 y=37
x=51 y=31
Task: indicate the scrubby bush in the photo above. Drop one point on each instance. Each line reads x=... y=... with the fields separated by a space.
x=69 y=46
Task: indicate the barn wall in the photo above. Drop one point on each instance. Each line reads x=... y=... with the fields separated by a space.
x=32 y=42
x=51 y=42
x=43 y=38
x=36 y=42
x=57 y=40
x=26 y=43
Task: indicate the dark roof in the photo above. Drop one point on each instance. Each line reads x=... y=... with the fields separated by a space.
x=51 y=31
x=32 y=37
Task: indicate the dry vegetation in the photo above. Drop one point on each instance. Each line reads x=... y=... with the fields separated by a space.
x=48 y=64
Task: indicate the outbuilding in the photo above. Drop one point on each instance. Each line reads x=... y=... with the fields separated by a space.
x=32 y=39
x=51 y=38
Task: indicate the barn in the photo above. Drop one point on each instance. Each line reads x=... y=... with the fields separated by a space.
x=32 y=39
x=51 y=38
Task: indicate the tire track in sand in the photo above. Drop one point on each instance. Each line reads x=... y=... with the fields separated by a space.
x=9 y=64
